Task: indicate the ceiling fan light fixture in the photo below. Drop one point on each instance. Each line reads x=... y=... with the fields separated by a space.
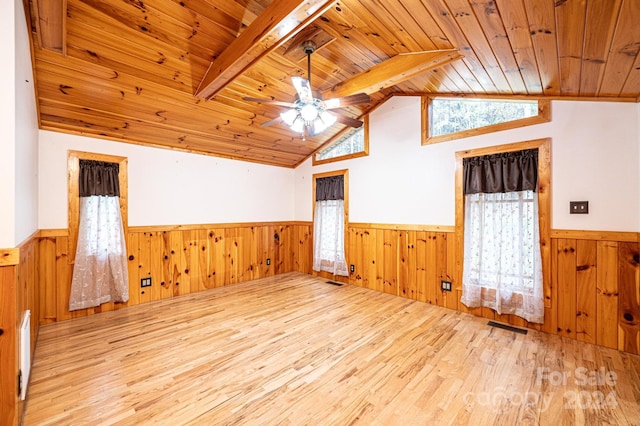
x=324 y=121
x=289 y=116
x=309 y=113
x=297 y=125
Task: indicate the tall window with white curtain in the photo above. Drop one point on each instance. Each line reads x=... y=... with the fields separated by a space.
x=100 y=270
x=328 y=226
x=502 y=267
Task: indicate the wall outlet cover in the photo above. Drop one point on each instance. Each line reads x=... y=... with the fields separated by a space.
x=578 y=207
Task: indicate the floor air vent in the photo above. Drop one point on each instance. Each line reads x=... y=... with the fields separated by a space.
x=334 y=283
x=506 y=327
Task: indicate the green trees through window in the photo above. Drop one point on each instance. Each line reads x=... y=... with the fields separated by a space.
x=350 y=144
x=455 y=115
x=448 y=118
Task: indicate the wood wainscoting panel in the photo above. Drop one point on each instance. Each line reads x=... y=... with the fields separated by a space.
x=19 y=292
x=585 y=302
x=629 y=298
x=8 y=347
x=592 y=294
x=179 y=261
x=390 y=261
x=586 y=275
x=407 y=258
x=567 y=294
x=48 y=290
x=607 y=294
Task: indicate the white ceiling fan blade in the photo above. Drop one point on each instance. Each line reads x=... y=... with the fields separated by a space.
x=325 y=120
x=303 y=88
x=289 y=116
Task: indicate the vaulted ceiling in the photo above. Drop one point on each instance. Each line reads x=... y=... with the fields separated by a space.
x=173 y=73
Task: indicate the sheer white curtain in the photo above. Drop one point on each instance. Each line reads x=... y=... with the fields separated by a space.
x=502 y=264
x=328 y=232
x=100 y=270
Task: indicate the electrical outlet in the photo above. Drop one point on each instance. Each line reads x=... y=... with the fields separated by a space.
x=578 y=207
x=445 y=285
x=145 y=282
x=268 y=261
x=352 y=268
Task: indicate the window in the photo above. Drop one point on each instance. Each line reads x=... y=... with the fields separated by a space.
x=329 y=222
x=352 y=143
x=502 y=219
x=97 y=224
x=73 y=173
x=451 y=118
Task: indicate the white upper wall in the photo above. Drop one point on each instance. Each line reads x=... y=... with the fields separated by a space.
x=7 y=125
x=26 y=134
x=169 y=187
x=595 y=157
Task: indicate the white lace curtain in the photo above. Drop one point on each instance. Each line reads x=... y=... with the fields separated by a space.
x=328 y=231
x=100 y=270
x=502 y=266
x=328 y=226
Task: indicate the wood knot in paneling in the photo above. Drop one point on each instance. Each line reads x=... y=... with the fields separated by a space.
x=629 y=318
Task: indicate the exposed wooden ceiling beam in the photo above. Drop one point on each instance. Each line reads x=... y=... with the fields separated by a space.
x=50 y=19
x=279 y=22
x=392 y=71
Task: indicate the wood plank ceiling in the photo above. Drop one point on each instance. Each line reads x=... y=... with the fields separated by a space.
x=128 y=70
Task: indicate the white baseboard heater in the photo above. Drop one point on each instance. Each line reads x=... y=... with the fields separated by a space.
x=25 y=354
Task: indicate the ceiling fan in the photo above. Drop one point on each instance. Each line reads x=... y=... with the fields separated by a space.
x=310 y=114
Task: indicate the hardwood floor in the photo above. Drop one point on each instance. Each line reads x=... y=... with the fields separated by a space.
x=293 y=349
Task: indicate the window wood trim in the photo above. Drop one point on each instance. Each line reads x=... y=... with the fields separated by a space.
x=73 y=174
x=363 y=153
x=345 y=174
x=544 y=116
x=544 y=205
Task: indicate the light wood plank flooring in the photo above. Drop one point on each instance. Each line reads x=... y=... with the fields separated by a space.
x=294 y=350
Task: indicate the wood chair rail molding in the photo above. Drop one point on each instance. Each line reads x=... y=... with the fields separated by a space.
x=9 y=257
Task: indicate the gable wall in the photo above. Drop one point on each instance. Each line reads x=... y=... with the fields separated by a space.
x=595 y=147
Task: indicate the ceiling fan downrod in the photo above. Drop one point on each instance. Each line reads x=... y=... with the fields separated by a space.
x=308 y=47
